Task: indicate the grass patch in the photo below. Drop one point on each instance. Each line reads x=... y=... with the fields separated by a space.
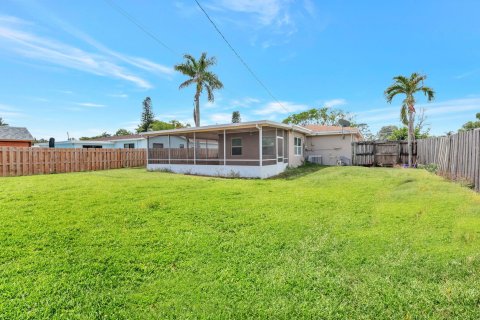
x=325 y=243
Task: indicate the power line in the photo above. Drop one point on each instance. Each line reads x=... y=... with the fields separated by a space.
x=140 y=26
x=240 y=58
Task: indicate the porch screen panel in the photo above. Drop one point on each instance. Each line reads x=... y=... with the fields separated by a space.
x=269 y=146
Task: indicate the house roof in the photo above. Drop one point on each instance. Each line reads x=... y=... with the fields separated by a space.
x=229 y=126
x=15 y=134
x=331 y=130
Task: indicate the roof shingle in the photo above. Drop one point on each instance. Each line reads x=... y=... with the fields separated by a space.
x=15 y=133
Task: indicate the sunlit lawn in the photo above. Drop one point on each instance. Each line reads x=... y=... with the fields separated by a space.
x=339 y=242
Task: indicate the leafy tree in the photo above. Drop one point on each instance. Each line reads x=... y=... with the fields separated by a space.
x=471 y=124
x=402 y=134
x=123 y=132
x=103 y=135
x=3 y=123
x=409 y=86
x=201 y=77
x=147 y=115
x=236 y=118
x=158 y=125
x=323 y=116
x=385 y=132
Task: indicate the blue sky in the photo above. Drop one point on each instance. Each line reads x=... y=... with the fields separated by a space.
x=84 y=68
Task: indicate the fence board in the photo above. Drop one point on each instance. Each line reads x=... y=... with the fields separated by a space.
x=381 y=153
x=16 y=161
x=457 y=156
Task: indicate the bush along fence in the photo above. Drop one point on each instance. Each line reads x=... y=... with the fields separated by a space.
x=456 y=157
x=381 y=153
x=29 y=161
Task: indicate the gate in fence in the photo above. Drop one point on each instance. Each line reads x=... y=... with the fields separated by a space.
x=381 y=153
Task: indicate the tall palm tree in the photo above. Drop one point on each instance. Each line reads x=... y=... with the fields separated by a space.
x=408 y=86
x=201 y=77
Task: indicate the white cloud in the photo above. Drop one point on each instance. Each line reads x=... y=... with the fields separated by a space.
x=8 y=112
x=284 y=107
x=244 y=102
x=90 y=105
x=335 y=103
x=106 y=62
x=220 y=117
x=119 y=95
x=432 y=110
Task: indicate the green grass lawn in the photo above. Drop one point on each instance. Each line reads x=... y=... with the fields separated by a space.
x=324 y=243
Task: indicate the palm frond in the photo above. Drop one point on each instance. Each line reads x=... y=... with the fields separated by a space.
x=428 y=92
x=211 y=97
x=186 y=69
x=186 y=83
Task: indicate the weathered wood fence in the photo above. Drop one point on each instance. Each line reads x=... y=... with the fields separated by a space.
x=457 y=156
x=381 y=153
x=28 y=161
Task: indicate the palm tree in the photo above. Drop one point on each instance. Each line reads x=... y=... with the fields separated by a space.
x=198 y=73
x=2 y=123
x=408 y=86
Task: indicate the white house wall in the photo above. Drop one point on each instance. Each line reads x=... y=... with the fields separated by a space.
x=330 y=147
x=295 y=160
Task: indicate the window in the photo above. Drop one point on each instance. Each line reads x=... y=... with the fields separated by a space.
x=236 y=146
x=158 y=146
x=129 y=146
x=182 y=145
x=297 y=144
x=268 y=146
x=91 y=147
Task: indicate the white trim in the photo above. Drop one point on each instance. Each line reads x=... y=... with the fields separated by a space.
x=223 y=171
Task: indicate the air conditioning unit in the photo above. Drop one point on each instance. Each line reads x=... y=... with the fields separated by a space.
x=315 y=159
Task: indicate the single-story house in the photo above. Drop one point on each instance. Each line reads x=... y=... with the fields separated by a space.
x=15 y=137
x=331 y=145
x=250 y=149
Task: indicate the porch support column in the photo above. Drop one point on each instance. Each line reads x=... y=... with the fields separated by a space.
x=260 y=147
x=276 y=145
x=168 y=149
x=148 y=150
x=194 y=149
x=224 y=148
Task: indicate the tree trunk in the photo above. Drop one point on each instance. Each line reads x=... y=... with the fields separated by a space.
x=197 y=110
x=410 y=137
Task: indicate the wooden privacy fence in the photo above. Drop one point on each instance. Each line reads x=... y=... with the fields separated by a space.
x=28 y=161
x=381 y=153
x=457 y=156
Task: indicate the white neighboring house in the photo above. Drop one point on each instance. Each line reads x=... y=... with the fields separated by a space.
x=134 y=141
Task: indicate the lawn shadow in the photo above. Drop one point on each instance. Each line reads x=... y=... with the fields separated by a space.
x=298 y=172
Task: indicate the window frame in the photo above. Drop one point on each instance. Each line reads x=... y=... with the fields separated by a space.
x=297 y=149
x=129 y=146
x=158 y=143
x=240 y=146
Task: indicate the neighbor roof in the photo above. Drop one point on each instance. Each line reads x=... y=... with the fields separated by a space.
x=15 y=134
x=318 y=129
